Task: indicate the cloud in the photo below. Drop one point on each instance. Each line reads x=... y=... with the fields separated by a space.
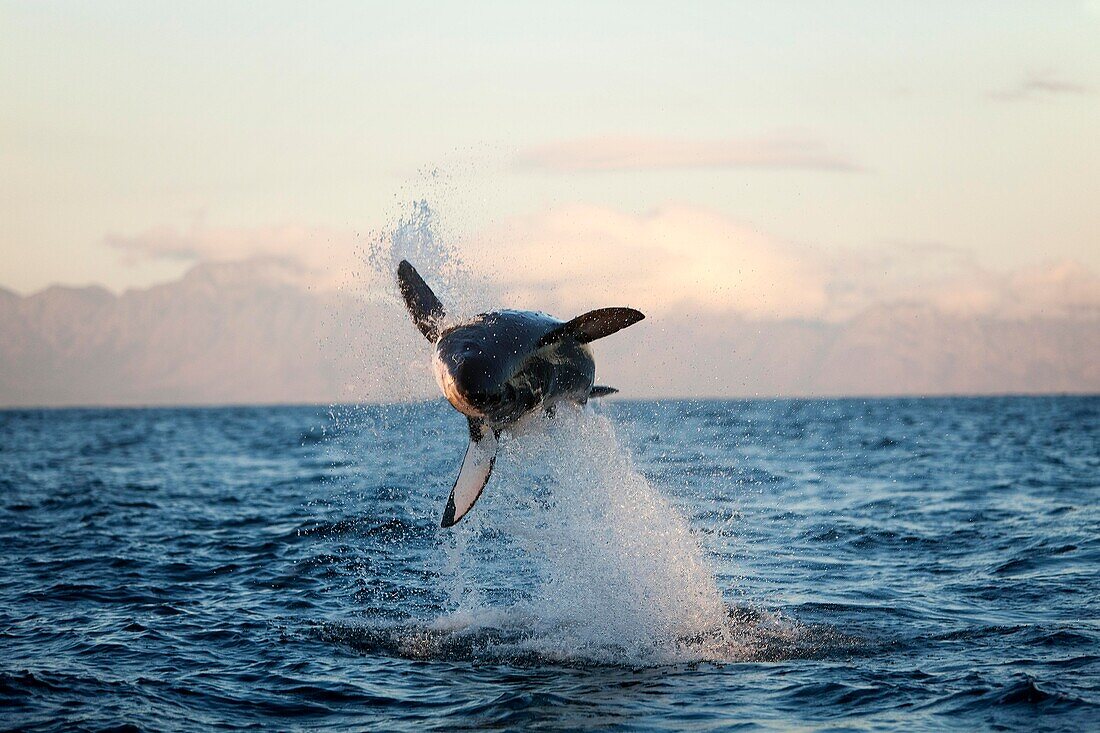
x=581 y=256
x=1040 y=84
x=676 y=259
x=683 y=259
x=950 y=281
x=315 y=254
x=621 y=153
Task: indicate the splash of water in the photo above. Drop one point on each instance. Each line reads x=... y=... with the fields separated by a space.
x=390 y=358
x=602 y=567
x=418 y=238
x=616 y=572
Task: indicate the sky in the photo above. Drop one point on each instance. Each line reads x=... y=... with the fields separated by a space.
x=860 y=148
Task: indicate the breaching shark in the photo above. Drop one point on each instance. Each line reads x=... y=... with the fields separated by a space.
x=500 y=366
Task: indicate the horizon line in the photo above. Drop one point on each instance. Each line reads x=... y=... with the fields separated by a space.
x=671 y=399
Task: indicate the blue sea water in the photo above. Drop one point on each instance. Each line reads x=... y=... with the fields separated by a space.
x=917 y=564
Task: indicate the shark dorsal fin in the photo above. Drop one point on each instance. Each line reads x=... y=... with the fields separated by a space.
x=424 y=307
x=594 y=325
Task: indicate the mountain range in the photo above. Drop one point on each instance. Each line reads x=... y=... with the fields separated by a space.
x=238 y=333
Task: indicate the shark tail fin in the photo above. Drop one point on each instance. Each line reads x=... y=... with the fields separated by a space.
x=477 y=466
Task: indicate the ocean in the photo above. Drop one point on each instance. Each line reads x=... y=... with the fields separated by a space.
x=855 y=564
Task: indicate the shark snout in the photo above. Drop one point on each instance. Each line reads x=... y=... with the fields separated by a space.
x=469 y=381
x=475 y=379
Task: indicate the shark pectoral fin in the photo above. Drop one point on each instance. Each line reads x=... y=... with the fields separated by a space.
x=600 y=390
x=426 y=310
x=477 y=465
x=594 y=325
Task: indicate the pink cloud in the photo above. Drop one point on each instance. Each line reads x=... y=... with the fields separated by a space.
x=675 y=259
x=683 y=259
x=622 y=153
x=577 y=257
x=315 y=254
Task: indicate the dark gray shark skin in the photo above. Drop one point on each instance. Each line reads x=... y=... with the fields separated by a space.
x=500 y=366
x=503 y=371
